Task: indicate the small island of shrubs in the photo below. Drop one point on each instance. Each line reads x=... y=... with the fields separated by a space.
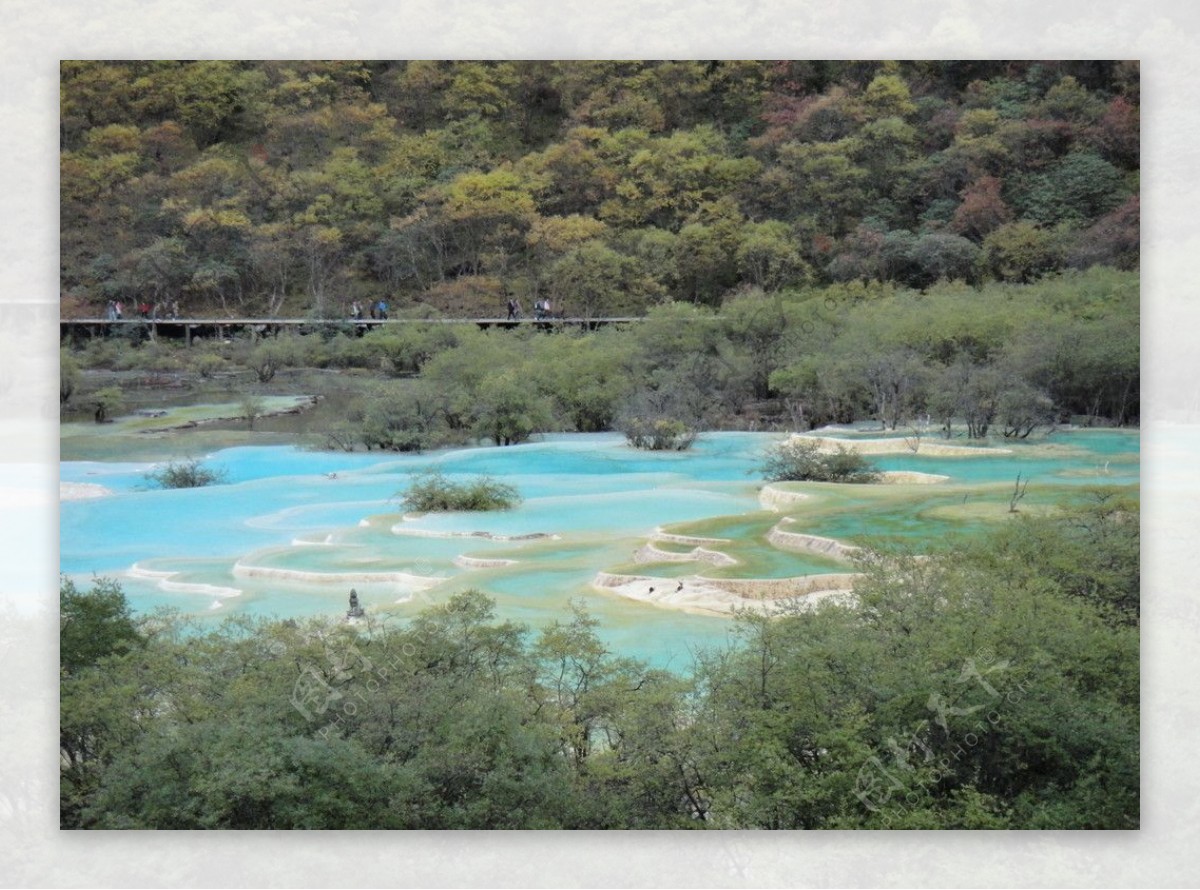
x=430 y=491
x=800 y=460
x=185 y=474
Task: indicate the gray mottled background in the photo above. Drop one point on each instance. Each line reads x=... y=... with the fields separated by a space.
x=35 y=35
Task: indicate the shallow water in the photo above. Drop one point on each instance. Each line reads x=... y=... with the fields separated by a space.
x=292 y=530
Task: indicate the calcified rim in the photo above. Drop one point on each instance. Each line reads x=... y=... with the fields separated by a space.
x=475 y=562
x=724 y=596
x=420 y=582
x=898 y=445
x=400 y=529
x=650 y=553
x=667 y=537
x=163 y=582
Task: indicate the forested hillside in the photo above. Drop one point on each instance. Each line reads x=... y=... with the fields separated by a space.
x=292 y=188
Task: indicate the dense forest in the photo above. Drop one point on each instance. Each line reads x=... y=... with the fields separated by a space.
x=293 y=188
x=1000 y=690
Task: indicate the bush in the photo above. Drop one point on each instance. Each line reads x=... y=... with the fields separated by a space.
x=209 y=364
x=251 y=407
x=266 y=357
x=394 y=418
x=185 y=474
x=93 y=624
x=69 y=376
x=658 y=435
x=801 y=460
x=667 y=417
x=106 y=402
x=431 y=491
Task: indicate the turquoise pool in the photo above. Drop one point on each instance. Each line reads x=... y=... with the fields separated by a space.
x=292 y=530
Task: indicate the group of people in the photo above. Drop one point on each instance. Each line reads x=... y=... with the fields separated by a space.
x=115 y=311
x=541 y=309
x=379 y=310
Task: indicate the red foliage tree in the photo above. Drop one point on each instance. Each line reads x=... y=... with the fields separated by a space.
x=982 y=209
x=1113 y=240
x=1118 y=135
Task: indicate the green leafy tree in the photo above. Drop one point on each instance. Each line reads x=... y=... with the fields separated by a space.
x=507 y=410
x=588 y=377
x=107 y=402
x=1021 y=251
x=396 y=418
x=1078 y=188
x=93 y=624
x=69 y=375
x=769 y=258
x=594 y=280
x=704 y=263
x=822 y=179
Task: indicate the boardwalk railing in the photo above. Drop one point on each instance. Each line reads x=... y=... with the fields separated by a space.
x=188 y=328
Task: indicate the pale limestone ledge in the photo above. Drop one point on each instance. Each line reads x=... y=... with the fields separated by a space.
x=419 y=582
x=781 y=500
x=660 y=535
x=911 y=477
x=798 y=541
x=163 y=581
x=724 y=596
x=778 y=499
x=899 y=446
x=650 y=553
x=473 y=562
x=79 y=491
x=400 y=529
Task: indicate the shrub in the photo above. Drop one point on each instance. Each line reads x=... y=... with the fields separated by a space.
x=265 y=360
x=251 y=407
x=665 y=418
x=801 y=460
x=107 y=402
x=69 y=376
x=395 y=418
x=266 y=357
x=431 y=491
x=93 y=624
x=209 y=364
x=658 y=435
x=185 y=474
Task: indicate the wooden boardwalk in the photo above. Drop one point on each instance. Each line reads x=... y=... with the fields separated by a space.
x=189 y=328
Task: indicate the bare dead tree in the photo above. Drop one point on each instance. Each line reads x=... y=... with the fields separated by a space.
x=1018 y=493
